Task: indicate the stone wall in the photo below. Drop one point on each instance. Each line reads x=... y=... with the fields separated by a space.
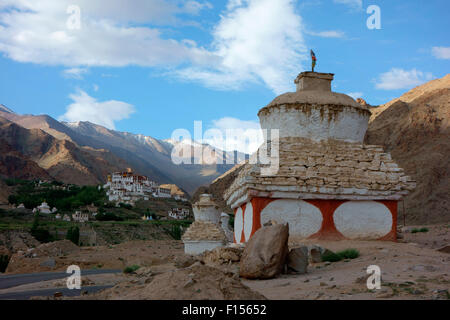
x=324 y=170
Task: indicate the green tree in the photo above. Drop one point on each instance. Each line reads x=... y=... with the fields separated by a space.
x=40 y=234
x=73 y=234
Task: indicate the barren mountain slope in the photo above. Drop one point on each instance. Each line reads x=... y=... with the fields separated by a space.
x=415 y=129
x=4 y=193
x=14 y=164
x=62 y=159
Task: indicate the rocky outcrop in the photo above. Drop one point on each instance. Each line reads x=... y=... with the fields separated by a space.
x=265 y=254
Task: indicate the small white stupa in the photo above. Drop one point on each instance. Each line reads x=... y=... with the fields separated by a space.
x=205 y=233
x=44 y=208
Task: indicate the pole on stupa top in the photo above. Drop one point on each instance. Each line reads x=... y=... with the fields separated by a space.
x=313 y=60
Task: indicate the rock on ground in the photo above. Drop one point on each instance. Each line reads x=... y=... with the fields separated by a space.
x=222 y=255
x=265 y=254
x=297 y=260
x=184 y=261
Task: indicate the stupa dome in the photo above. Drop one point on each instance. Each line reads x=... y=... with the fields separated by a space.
x=315 y=112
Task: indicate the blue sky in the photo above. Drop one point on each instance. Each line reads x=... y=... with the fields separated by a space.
x=152 y=66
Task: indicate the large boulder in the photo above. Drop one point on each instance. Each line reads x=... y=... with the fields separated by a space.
x=265 y=253
x=297 y=260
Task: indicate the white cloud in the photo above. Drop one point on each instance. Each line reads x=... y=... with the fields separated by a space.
x=441 y=52
x=401 y=79
x=328 y=34
x=110 y=33
x=75 y=73
x=353 y=4
x=194 y=7
x=355 y=95
x=254 y=40
x=87 y=108
x=95 y=87
x=231 y=134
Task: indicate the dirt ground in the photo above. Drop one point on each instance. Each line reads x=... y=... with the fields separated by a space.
x=141 y=253
x=412 y=268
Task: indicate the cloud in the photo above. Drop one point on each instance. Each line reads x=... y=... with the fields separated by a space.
x=87 y=108
x=231 y=134
x=441 y=52
x=401 y=79
x=355 y=95
x=251 y=51
x=194 y=7
x=254 y=41
x=327 y=34
x=353 y=4
x=75 y=73
x=112 y=33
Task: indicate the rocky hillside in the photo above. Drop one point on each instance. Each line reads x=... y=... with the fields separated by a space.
x=32 y=153
x=4 y=193
x=415 y=129
x=14 y=164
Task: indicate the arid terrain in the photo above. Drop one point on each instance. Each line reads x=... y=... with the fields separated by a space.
x=412 y=268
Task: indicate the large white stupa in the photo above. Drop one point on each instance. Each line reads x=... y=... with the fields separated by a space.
x=329 y=184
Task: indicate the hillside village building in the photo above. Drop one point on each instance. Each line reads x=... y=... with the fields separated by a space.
x=159 y=192
x=178 y=213
x=128 y=187
x=329 y=184
x=79 y=216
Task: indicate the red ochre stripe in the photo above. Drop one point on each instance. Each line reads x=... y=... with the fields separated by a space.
x=328 y=229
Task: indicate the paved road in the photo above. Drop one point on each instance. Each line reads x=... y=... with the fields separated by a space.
x=25 y=295
x=14 y=280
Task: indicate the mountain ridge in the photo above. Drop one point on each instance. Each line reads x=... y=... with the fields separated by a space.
x=144 y=154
